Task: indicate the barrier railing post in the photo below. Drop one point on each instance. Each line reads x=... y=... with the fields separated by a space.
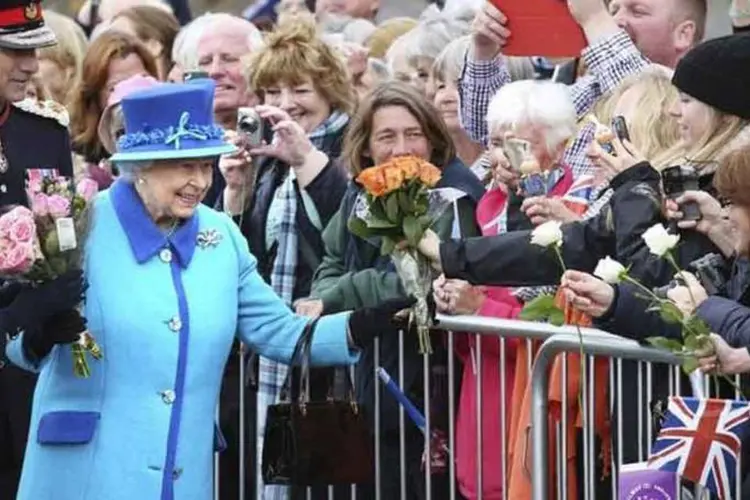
x=600 y=344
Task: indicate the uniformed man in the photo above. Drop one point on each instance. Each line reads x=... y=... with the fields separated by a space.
x=27 y=141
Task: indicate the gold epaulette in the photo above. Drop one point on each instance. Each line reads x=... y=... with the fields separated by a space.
x=48 y=109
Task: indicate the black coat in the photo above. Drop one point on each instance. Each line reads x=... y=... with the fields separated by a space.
x=360 y=255
x=511 y=260
x=29 y=142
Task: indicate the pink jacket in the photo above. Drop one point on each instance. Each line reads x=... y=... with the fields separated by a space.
x=500 y=303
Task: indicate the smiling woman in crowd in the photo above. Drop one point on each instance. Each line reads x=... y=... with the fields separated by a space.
x=111 y=58
x=286 y=196
x=142 y=425
x=394 y=120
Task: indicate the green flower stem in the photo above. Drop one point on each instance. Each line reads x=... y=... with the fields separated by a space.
x=737 y=389
x=640 y=286
x=558 y=253
x=670 y=258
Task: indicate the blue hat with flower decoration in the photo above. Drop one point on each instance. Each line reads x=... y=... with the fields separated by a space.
x=171 y=121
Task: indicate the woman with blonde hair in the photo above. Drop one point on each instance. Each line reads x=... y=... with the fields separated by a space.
x=60 y=65
x=284 y=190
x=443 y=85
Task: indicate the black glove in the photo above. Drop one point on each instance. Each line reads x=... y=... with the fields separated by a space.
x=8 y=292
x=62 y=328
x=34 y=305
x=369 y=322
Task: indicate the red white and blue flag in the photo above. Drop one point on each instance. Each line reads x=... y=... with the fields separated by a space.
x=700 y=440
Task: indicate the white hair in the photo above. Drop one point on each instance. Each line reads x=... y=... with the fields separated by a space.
x=447 y=66
x=464 y=10
x=537 y=103
x=352 y=30
x=185 y=48
x=379 y=68
x=427 y=39
x=129 y=169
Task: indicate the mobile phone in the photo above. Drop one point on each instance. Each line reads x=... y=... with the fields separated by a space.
x=250 y=125
x=675 y=181
x=620 y=128
x=194 y=75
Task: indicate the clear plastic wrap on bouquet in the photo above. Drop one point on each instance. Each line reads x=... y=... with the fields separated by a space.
x=46 y=240
x=416 y=275
x=413 y=268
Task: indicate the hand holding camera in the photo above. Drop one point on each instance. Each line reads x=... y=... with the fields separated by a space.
x=290 y=143
x=705 y=276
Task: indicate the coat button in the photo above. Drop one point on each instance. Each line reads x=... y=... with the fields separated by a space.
x=2 y=364
x=168 y=396
x=177 y=473
x=166 y=255
x=175 y=324
x=3 y=188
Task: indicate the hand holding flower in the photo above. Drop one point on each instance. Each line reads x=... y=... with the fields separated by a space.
x=588 y=294
x=724 y=359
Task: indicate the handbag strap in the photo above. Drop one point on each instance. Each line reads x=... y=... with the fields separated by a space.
x=342 y=373
x=300 y=358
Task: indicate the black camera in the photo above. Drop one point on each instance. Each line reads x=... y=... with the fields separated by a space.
x=250 y=125
x=711 y=271
x=676 y=180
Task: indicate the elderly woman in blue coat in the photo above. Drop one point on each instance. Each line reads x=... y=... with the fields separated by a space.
x=170 y=283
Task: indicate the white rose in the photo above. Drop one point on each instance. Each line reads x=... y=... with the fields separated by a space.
x=609 y=270
x=547 y=234
x=659 y=241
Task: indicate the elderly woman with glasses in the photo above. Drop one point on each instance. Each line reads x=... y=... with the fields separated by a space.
x=170 y=284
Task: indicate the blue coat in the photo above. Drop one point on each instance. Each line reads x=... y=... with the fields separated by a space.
x=165 y=314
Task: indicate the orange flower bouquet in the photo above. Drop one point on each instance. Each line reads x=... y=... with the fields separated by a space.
x=398 y=206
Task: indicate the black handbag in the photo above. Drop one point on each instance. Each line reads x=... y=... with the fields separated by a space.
x=315 y=443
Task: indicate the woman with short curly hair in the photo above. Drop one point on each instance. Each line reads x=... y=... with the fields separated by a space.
x=307 y=98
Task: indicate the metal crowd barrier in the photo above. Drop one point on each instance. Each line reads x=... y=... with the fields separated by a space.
x=556 y=341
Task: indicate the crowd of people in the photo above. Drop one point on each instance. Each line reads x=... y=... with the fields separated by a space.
x=223 y=244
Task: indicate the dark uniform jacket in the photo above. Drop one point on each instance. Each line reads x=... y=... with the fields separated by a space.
x=28 y=142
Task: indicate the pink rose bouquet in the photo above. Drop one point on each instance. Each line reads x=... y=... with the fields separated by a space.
x=40 y=243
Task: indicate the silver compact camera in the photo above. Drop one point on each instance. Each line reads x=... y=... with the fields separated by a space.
x=250 y=125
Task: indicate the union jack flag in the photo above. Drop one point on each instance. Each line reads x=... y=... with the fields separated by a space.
x=700 y=440
x=580 y=193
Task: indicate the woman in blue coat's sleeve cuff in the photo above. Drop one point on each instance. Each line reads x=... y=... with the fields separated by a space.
x=16 y=354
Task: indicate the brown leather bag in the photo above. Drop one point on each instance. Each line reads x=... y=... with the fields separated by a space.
x=313 y=443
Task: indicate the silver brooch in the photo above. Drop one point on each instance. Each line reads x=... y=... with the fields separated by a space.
x=209 y=238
